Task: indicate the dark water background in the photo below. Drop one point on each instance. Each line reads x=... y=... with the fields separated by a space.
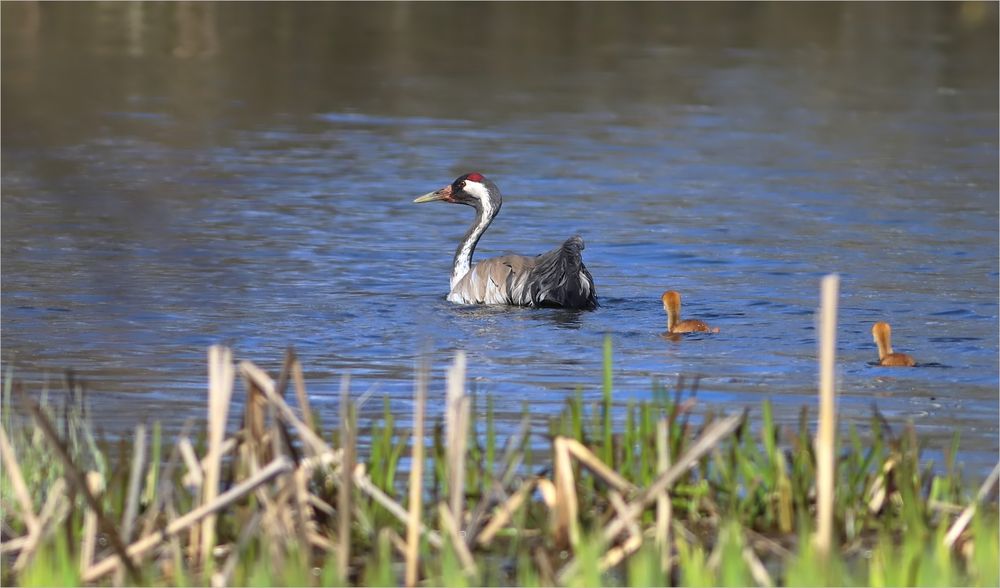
x=176 y=175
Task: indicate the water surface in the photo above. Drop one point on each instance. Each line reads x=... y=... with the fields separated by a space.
x=178 y=175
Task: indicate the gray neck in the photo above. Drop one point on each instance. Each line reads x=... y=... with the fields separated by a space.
x=485 y=213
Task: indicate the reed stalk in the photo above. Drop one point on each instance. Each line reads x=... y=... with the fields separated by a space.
x=416 y=479
x=220 y=390
x=348 y=442
x=825 y=437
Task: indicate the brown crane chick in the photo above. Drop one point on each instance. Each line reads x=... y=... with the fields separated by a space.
x=882 y=334
x=672 y=306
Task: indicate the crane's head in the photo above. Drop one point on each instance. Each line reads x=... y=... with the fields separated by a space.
x=472 y=189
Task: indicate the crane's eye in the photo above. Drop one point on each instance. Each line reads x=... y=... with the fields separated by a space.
x=461 y=185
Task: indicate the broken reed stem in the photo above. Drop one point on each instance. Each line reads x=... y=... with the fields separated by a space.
x=505 y=512
x=16 y=544
x=450 y=526
x=615 y=555
x=587 y=459
x=825 y=436
x=220 y=391
x=194 y=476
x=279 y=466
x=963 y=520
x=457 y=425
x=416 y=478
x=757 y=569
x=347 y=442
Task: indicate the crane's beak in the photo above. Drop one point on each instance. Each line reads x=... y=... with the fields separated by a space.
x=442 y=194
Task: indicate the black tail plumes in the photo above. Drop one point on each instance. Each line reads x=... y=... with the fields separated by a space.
x=560 y=279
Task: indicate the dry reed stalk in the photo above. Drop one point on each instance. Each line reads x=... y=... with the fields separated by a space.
x=220 y=391
x=315 y=502
x=397 y=542
x=765 y=543
x=78 y=481
x=265 y=384
x=276 y=468
x=300 y=392
x=365 y=484
x=587 y=459
x=15 y=544
x=548 y=491
x=664 y=507
x=194 y=477
x=757 y=569
x=879 y=488
x=713 y=434
x=303 y=513
x=546 y=574
x=304 y=500
x=505 y=512
x=565 y=525
x=347 y=441
x=825 y=436
x=615 y=555
x=95 y=484
x=281 y=438
x=457 y=434
x=255 y=433
x=963 y=520
x=320 y=542
x=13 y=470
x=450 y=526
x=55 y=508
x=416 y=479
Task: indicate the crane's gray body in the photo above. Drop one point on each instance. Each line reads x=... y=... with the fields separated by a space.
x=557 y=278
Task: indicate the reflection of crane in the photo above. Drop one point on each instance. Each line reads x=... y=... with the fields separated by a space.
x=556 y=279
